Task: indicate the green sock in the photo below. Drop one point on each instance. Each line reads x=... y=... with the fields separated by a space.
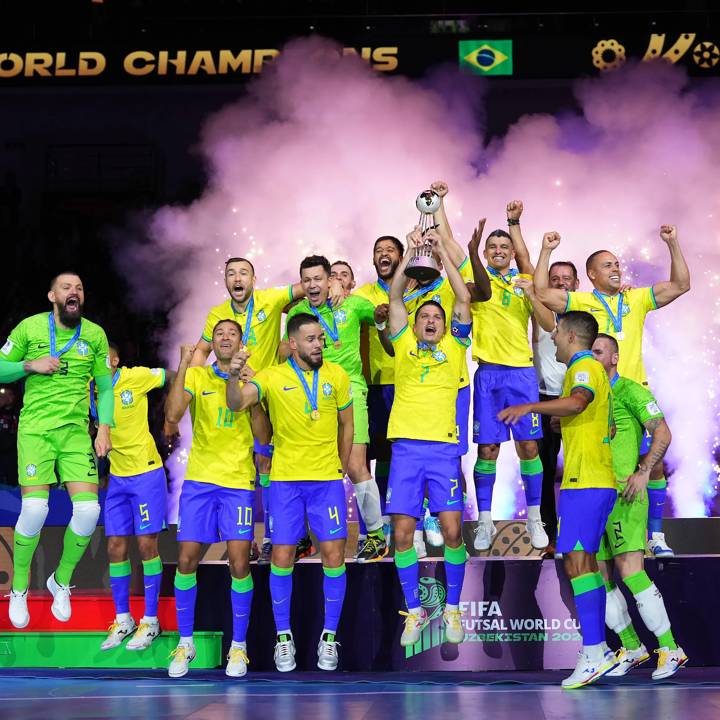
x=74 y=546
x=629 y=638
x=667 y=640
x=23 y=551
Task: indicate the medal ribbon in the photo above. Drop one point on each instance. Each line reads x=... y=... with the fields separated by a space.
x=249 y=311
x=333 y=332
x=312 y=396
x=51 y=330
x=219 y=372
x=614 y=379
x=507 y=279
x=616 y=320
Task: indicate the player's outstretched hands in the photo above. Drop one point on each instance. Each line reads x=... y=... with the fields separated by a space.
x=238 y=362
x=514 y=209
x=668 y=233
x=476 y=239
x=440 y=187
x=510 y=415
x=103 y=445
x=186 y=353
x=414 y=238
x=43 y=366
x=551 y=240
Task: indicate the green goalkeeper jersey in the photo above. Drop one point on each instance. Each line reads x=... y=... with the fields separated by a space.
x=62 y=398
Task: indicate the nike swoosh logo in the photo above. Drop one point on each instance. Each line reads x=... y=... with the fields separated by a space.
x=147 y=587
x=336 y=530
x=278 y=602
x=242 y=532
x=144 y=526
x=208 y=392
x=294 y=387
x=452 y=502
x=535 y=431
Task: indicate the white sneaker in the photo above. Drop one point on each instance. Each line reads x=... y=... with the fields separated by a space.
x=415 y=622
x=485 y=531
x=432 y=531
x=454 y=630
x=181 y=656
x=628 y=659
x=61 y=608
x=284 y=653
x=588 y=670
x=147 y=631
x=117 y=632
x=419 y=544
x=536 y=530
x=327 y=654
x=237 y=661
x=18 y=610
x=669 y=662
x=657 y=546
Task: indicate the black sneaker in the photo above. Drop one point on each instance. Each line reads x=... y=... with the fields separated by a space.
x=304 y=548
x=266 y=553
x=374 y=549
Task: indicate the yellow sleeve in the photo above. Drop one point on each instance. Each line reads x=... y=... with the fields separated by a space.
x=210 y=323
x=585 y=375
x=147 y=379
x=645 y=296
x=191 y=381
x=277 y=298
x=342 y=393
x=262 y=382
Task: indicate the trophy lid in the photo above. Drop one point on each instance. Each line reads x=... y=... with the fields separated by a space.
x=428 y=202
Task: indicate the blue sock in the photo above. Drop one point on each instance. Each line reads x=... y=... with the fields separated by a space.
x=484 y=476
x=152 y=576
x=334 y=584
x=590 y=600
x=454 y=572
x=265 y=492
x=531 y=472
x=281 y=592
x=657 y=492
x=241 y=593
x=185 y=594
x=408 y=570
x=120 y=574
x=362 y=527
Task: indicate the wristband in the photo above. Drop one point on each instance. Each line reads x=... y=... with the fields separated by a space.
x=512 y=221
x=381 y=326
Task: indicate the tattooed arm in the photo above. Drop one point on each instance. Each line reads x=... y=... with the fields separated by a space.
x=661 y=438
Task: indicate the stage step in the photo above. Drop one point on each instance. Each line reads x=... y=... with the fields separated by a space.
x=90 y=611
x=72 y=649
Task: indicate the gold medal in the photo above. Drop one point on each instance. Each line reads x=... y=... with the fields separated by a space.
x=315 y=415
x=337 y=344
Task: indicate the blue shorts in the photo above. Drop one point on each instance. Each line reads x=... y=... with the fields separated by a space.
x=645 y=444
x=582 y=517
x=379 y=402
x=462 y=416
x=323 y=501
x=212 y=513
x=136 y=504
x=416 y=463
x=498 y=387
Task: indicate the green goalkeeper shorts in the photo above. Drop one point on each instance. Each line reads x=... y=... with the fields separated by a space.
x=361 y=434
x=68 y=448
x=626 y=528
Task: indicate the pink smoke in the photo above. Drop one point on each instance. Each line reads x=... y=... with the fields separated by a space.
x=322 y=154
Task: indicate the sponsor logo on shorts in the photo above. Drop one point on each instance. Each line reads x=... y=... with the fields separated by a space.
x=144 y=526
x=327 y=389
x=453 y=502
x=126 y=397
x=208 y=392
x=82 y=348
x=243 y=532
x=534 y=431
x=31 y=470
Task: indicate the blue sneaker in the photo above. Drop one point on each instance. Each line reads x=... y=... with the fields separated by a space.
x=431 y=525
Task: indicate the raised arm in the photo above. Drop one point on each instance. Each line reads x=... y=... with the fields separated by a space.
x=202 y=353
x=397 y=314
x=514 y=210
x=480 y=290
x=461 y=308
x=178 y=400
x=240 y=398
x=679 y=282
x=555 y=299
x=455 y=252
x=544 y=316
x=382 y=312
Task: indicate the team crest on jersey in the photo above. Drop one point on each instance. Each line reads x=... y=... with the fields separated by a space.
x=82 y=348
x=340 y=316
x=261 y=316
x=625 y=309
x=439 y=355
x=31 y=470
x=518 y=291
x=126 y=397
x=327 y=389
x=436 y=298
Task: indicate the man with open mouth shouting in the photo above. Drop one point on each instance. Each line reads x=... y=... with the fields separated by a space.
x=59 y=352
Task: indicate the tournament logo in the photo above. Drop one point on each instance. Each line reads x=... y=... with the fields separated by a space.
x=31 y=470
x=126 y=397
x=340 y=316
x=261 y=316
x=155 y=371
x=82 y=348
x=327 y=389
x=432 y=596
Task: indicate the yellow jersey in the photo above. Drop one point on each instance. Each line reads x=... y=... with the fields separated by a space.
x=263 y=313
x=626 y=328
x=305 y=449
x=426 y=387
x=586 y=437
x=222 y=443
x=500 y=325
x=381 y=364
x=133 y=448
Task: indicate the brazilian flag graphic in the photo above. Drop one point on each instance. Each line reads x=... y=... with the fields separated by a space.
x=486 y=57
